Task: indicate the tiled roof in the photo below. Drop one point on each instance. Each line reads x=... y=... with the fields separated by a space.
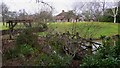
x=61 y=15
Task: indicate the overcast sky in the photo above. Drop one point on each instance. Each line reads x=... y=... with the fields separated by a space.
x=31 y=7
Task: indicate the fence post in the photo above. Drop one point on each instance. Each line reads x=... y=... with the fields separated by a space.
x=90 y=47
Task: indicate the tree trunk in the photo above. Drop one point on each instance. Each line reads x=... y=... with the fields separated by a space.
x=3 y=15
x=3 y=20
x=68 y=20
x=114 y=19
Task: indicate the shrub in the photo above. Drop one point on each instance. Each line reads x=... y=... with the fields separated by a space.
x=53 y=60
x=55 y=55
x=10 y=53
x=106 y=57
x=19 y=51
x=27 y=37
x=25 y=50
x=106 y=18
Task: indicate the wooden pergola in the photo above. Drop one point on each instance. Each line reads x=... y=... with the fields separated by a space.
x=13 y=23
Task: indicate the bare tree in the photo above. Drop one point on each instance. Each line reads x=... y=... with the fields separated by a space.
x=45 y=13
x=115 y=11
x=22 y=14
x=12 y=15
x=4 y=9
x=119 y=3
x=103 y=4
x=94 y=9
x=43 y=17
x=91 y=10
x=45 y=4
x=78 y=8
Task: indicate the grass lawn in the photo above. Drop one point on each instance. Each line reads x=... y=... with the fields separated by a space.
x=87 y=29
x=5 y=28
x=2 y=27
x=18 y=26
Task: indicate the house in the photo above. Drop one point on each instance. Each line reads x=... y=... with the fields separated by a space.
x=69 y=16
x=60 y=17
x=65 y=17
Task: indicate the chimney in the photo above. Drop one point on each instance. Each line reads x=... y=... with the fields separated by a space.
x=63 y=11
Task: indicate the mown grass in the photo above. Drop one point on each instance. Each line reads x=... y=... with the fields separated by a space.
x=18 y=26
x=94 y=29
x=3 y=27
x=86 y=29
